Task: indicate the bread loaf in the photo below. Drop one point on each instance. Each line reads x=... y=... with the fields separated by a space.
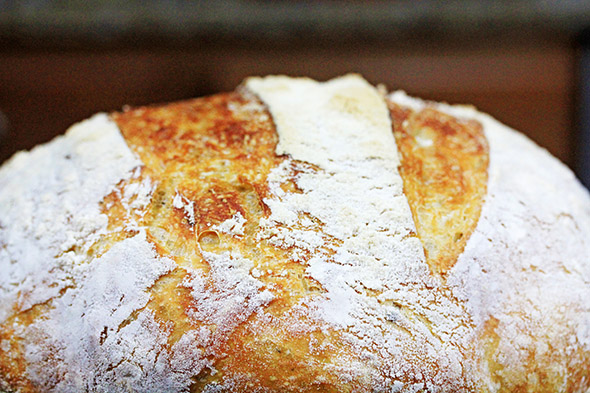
x=293 y=236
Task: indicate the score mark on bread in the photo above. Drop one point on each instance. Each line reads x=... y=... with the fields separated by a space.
x=444 y=165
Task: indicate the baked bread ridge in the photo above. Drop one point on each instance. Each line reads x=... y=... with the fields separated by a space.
x=207 y=187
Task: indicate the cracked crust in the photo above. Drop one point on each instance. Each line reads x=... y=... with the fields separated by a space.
x=208 y=182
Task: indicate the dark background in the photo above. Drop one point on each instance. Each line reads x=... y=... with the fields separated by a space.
x=521 y=61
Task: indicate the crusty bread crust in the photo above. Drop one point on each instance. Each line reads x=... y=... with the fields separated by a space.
x=204 y=272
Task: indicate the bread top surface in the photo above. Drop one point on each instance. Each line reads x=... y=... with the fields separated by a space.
x=293 y=236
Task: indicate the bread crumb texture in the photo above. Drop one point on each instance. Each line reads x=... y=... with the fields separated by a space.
x=293 y=236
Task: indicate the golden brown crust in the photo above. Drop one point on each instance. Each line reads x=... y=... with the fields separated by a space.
x=219 y=159
x=208 y=162
x=547 y=370
x=13 y=364
x=444 y=164
x=179 y=143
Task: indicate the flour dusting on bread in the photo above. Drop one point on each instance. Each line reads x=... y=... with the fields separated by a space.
x=49 y=209
x=351 y=215
x=262 y=240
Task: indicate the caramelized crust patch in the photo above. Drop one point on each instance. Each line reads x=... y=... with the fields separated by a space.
x=12 y=362
x=444 y=162
x=208 y=161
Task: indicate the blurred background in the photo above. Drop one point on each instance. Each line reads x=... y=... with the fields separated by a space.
x=523 y=61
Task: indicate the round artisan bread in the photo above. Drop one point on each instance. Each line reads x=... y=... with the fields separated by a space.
x=293 y=236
